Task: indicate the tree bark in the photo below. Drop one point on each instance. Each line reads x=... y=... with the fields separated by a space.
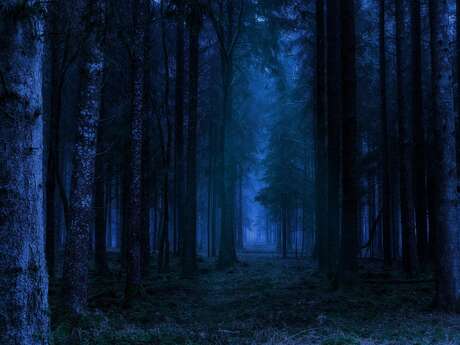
x=55 y=102
x=334 y=101
x=419 y=136
x=75 y=276
x=405 y=150
x=179 y=129
x=349 y=142
x=23 y=279
x=386 y=163
x=448 y=245
x=189 y=259
x=321 y=141
x=136 y=137
x=100 y=196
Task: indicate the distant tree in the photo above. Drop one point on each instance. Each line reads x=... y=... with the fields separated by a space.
x=23 y=281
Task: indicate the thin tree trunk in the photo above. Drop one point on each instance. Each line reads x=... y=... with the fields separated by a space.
x=100 y=197
x=406 y=152
x=419 y=137
x=386 y=165
x=179 y=131
x=146 y=151
x=333 y=129
x=320 y=141
x=189 y=259
x=53 y=135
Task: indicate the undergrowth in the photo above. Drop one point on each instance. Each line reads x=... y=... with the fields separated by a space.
x=262 y=301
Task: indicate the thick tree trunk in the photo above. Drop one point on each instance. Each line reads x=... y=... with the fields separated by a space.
x=134 y=197
x=448 y=244
x=75 y=277
x=405 y=150
x=349 y=142
x=23 y=280
x=189 y=259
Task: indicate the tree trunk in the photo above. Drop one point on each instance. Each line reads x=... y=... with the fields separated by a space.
x=189 y=259
x=405 y=150
x=227 y=252
x=419 y=137
x=75 y=276
x=134 y=212
x=284 y=231
x=179 y=131
x=23 y=281
x=55 y=100
x=448 y=245
x=146 y=149
x=349 y=142
x=386 y=165
x=333 y=129
x=100 y=197
x=320 y=141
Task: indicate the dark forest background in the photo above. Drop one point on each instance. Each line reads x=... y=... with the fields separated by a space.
x=229 y=172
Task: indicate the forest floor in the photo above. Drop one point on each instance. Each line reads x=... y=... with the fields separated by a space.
x=263 y=300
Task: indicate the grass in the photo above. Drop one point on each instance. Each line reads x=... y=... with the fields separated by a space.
x=262 y=301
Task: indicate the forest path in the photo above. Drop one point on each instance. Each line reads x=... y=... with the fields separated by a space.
x=266 y=300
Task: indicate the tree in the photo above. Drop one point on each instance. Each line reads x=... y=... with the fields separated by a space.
x=102 y=191
x=448 y=245
x=227 y=28
x=136 y=138
x=350 y=150
x=386 y=162
x=405 y=148
x=179 y=127
x=334 y=109
x=419 y=137
x=23 y=279
x=320 y=139
x=75 y=276
x=189 y=259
